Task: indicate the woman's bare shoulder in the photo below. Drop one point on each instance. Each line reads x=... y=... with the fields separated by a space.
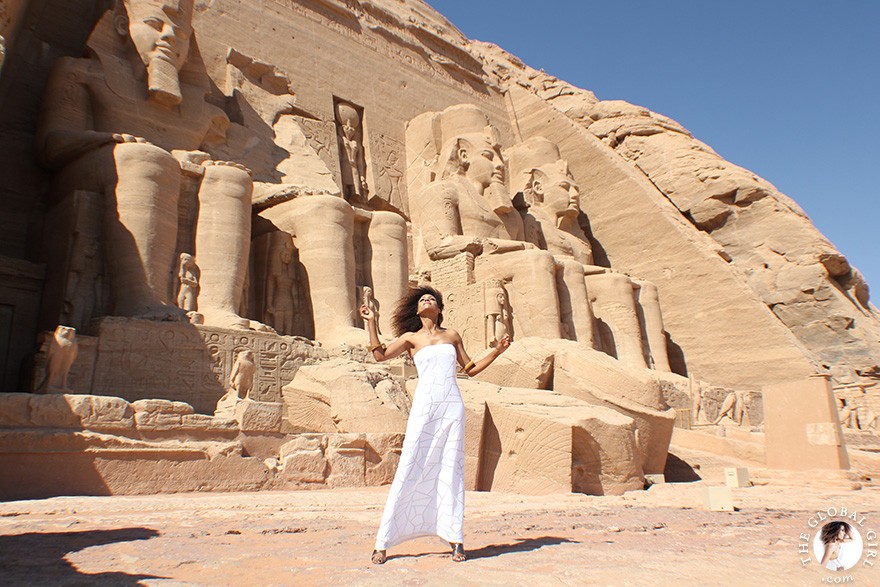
x=453 y=334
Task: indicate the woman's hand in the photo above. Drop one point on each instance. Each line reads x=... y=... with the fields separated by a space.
x=367 y=314
x=503 y=344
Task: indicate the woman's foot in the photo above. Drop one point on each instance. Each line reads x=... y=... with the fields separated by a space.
x=379 y=557
x=458 y=555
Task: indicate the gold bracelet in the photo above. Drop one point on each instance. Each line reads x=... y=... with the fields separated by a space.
x=376 y=347
x=469 y=366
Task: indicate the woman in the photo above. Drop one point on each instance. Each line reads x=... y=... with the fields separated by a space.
x=427 y=495
x=834 y=534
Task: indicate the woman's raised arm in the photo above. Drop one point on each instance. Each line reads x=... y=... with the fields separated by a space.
x=379 y=350
x=473 y=367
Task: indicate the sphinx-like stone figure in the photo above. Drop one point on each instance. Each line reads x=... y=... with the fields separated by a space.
x=124 y=122
x=466 y=209
x=733 y=407
x=62 y=352
x=630 y=309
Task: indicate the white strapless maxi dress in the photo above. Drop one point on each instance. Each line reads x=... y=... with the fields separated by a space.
x=427 y=494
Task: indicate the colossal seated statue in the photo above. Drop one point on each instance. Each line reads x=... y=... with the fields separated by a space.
x=123 y=122
x=630 y=309
x=466 y=210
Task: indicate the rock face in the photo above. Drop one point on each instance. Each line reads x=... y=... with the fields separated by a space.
x=209 y=217
x=769 y=241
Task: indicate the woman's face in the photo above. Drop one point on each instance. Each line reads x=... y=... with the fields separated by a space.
x=428 y=302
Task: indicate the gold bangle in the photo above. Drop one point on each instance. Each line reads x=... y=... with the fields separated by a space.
x=469 y=366
x=376 y=347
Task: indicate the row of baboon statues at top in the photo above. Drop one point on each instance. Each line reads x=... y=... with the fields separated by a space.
x=131 y=121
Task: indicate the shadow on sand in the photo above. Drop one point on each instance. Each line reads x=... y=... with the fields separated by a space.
x=520 y=545
x=38 y=558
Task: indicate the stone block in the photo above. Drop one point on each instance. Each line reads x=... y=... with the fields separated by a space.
x=801 y=426
x=736 y=476
x=162 y=406
x=381 y=456
x=207 y=423
x=528 y=363
x=80 y=411
x=718 y=499
x=346 y=456
x=102 y=413
x=536 y=441
x=52 y=411
x=258 y=416
x=344 y=396
x=303 y=443
x=15 y=410
x=302 y=459
x=158 y=421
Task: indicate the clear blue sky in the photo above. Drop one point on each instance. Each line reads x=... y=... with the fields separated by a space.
x=789 y=89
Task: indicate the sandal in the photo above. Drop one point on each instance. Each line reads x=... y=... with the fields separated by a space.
x=379 y=557
x=458 y=555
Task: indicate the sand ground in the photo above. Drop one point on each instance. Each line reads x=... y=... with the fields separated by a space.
x=662 y=536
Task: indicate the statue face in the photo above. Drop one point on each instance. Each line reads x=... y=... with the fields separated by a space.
x=484 y=163
x=559 y=192
x=160 y=30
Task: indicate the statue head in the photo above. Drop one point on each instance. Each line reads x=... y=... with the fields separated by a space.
x=539 y=172
x=186 y=259
x=468 y=146
x=161 y=31
x=349 y=119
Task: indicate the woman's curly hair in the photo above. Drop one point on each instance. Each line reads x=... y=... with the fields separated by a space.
x=406 y=318
x=831 y=530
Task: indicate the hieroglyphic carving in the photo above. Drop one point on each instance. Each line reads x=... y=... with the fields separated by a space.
x=138 y=359
x=321 y=135
x=464 y=309
x=84 y=288
x=277 y=359
x=389 y=154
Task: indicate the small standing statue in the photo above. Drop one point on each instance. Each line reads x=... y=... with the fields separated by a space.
x=370 y=302
x=497 y=314
x=242 y=377
x=697 y=402
x=60 y=356
x=280 y=302
x=187 y=296
x=354 y=167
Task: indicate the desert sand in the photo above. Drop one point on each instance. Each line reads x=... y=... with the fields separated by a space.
x=656 y=537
